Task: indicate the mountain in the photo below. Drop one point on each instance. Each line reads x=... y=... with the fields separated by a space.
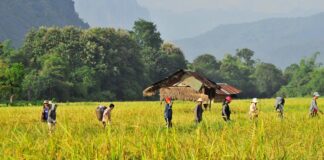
x=281 y=41
x=111 y=13
x=17 y=17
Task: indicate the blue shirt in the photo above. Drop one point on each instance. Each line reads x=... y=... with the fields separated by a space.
x=168 y=111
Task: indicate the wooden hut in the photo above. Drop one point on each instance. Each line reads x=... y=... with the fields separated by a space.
x=189 y=86
x=184 y=85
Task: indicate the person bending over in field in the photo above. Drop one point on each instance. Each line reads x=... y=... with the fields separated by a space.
x=279 y=106
x=226 y=111
x=199 y=111
x=313 y=107
x=99 y=112
x=51 y=120
x=107 y=115
x=168 y=112
x=254 y=112
x=45 y=111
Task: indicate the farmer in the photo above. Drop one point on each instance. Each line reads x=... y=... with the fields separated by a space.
x=51 y=120
x=313 y=107
x=45 y=111
x=107 y=115
x=199 y=111
x=168 y=112
x=279 y=106
x=253 y=109
x=226 y=111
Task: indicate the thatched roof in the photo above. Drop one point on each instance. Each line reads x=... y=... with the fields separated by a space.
x=182 y=93
x=183 y=78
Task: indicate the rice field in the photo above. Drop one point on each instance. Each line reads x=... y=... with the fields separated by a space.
x=138 y=132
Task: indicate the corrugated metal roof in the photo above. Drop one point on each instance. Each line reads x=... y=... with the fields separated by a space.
x=227 y=89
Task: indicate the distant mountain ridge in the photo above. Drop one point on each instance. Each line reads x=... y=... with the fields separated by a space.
x=281 y=41
x=111 y=13
x=17 y=17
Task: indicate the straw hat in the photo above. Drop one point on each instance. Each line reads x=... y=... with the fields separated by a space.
x=45 y=102
x=254 y=100
x=316 y=94
x=199 y=100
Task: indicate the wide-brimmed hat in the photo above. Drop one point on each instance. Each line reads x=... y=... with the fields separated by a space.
x=200 y=100
x=254 y=100
x=316 y=94
x=45 y=102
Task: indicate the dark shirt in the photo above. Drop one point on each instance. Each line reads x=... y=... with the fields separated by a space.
x=198 y=112
x=168 y=111
x=226 y=110
x=52 y=114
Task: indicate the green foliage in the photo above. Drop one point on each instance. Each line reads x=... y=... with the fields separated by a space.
x=11 y=77
x=268 y=79
x=208 y=66
x=169 y=60
x=75 y=64
x=235 y=72
x=305 y=78
x=146 y=34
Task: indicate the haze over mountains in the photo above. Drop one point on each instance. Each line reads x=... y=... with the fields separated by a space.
x=111 y=13
x=281 y=41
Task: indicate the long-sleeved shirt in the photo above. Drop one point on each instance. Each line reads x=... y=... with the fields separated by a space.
x=313 y=106
x=253 y=108
x=198 y=112
x=226 y=110
x=107 y=115
x=168 y=111
x=52 y=114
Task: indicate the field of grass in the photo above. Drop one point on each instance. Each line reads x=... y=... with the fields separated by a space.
x=138 y=132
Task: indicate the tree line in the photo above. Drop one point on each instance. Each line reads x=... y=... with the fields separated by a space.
x=97 y=64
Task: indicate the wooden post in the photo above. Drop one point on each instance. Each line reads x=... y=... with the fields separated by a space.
x=210 y=101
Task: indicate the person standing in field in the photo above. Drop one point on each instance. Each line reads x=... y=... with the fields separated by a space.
x=313 y=107
x=107 y=115
x=44 y=116
x=279 y=106
x=168 y=112
x=226 y=111
x=254 y=112
x=51 y=120
x=199 y=111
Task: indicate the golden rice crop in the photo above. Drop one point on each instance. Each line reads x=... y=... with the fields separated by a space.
x=138 y=132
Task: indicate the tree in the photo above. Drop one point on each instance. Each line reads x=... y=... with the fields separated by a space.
x=305 y=78
x=237 y=73
x=268 y=79
x=10 y=79
x=146 y=34
x=170 y=60
x=245 y=55
x=208 y=66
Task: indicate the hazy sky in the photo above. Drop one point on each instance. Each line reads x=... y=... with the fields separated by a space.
x=268 y=6
x=174 y=17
